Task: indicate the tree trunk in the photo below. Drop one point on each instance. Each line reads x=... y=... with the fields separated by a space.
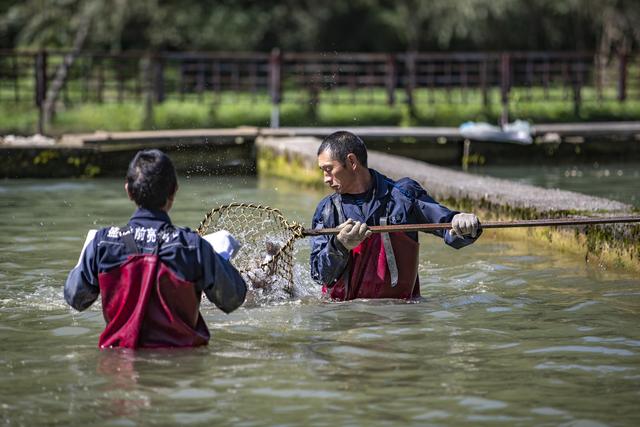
x=61 y=73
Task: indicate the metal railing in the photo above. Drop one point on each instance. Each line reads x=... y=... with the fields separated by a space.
x=337 y=78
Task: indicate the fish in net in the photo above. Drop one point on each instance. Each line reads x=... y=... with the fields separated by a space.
x=265 y=258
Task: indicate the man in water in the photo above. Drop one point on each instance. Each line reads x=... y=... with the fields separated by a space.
x=356 y=263
x=150 y=273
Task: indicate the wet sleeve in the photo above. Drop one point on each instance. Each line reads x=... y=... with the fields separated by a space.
x=431 y=212
x=328 y=257
x=81 y=288
x=221 y=282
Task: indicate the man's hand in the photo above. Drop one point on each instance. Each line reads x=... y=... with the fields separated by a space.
x=464 y=224
x=352 y=233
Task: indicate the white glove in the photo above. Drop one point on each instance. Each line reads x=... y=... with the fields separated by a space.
x=464 y=224
x=352 y=233
x=223 y=243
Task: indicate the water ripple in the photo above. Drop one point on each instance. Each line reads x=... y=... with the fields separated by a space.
x=617 y=340
x=481 y=404
x=69 y=331
x=582 y=349
x=193 y=393
x=602 y=369
x=545 y=410
x=581 y=305
x=432 y=415
x=299 y=393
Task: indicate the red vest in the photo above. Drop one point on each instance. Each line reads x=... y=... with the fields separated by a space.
x=146 y=305
x=368 y=276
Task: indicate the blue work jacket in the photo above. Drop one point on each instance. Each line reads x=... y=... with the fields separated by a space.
x=402 y=202
x=183 y=251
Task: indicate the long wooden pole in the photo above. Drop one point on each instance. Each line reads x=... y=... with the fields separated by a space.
x=488 y=224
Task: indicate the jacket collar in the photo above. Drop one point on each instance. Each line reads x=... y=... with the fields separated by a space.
x=380 y=183
x=150 y=215
x=381 y=189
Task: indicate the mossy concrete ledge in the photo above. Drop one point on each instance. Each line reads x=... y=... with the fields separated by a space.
x=294 y=158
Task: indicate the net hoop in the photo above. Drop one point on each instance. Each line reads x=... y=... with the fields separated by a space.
x=243 y=217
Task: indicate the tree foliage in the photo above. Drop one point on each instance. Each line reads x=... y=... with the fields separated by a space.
x=333 y=25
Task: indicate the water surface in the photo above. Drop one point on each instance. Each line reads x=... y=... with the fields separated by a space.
x=508 y=333
x=617 y=181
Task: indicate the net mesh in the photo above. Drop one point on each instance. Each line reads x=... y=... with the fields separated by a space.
x=267 y=238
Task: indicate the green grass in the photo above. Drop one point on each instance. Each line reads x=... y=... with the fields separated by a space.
x=17 y=119
x=92 y=117
x=359 y=115
x=365 y=108
x=182 y=115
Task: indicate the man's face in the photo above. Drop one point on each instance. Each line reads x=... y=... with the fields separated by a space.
x=336 y=175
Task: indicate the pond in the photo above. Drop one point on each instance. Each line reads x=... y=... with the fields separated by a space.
x=617 y=181
x=507 y=333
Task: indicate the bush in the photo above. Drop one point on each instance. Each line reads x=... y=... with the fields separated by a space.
x=451 y=115
x=93 y=117
x=358 y=115
x=18 y=119
x=234 y=115
x=182 y=115
x=193 y=114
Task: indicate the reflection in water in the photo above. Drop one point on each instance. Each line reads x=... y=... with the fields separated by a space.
x=506 y=333
x=121 y=395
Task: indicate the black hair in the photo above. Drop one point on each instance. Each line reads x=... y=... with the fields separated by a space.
x=341 y=143
x=151 y=179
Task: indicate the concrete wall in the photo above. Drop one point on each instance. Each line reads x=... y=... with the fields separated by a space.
x=67 y=161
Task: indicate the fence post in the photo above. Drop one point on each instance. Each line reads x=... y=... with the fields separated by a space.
x=599 y=67
x=16 y=80
x=483 y=83
x=505 y=83
x=577 y=98
x=391 y=79
x=200 y=80
x=216 y=80
x=622 y=77
x=146 y=76
x=577 y=87
x=120 y=71
x=41 y=86
x=158 y=79
x=275 y=89
x=410 y=83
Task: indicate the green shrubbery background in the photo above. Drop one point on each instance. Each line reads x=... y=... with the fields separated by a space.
x=244 y=111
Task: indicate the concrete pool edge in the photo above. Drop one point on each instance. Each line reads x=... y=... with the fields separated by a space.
x=616 y=246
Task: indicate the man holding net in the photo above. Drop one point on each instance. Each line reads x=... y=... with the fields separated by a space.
x=356 y=263
x=151 y=274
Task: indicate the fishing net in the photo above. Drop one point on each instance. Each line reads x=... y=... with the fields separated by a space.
x=267 y=238
x=266 y=257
